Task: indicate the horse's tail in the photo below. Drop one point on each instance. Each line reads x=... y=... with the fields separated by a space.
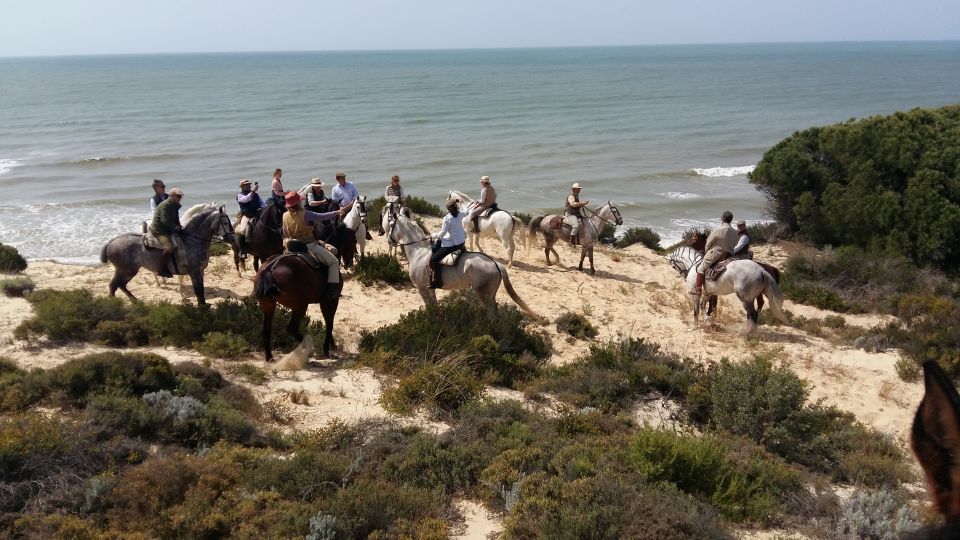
x=774 y=296
x=513 y=293
x=103 y=252
x=517 y=224
x=532 y=231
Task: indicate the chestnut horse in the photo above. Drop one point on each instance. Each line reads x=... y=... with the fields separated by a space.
x=291 y=281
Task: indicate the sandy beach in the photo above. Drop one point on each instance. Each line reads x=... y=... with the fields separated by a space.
x=635 y=293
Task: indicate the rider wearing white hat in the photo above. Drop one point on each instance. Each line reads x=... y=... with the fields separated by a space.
x=573 y=209
x=488 y=199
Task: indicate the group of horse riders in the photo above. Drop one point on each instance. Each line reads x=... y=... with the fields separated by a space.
x=724 y=242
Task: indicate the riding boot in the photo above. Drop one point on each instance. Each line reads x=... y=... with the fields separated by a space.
x=435 y=282
x=573 y=239
x=698 y=286
x=368 y=236
x=334 y=290
x=381 y=232
x=165 y=264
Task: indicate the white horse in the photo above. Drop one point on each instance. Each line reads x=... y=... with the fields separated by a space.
x=471 y=271
x=587 y=236
x=388 y=215
x=744 y=277
x=499 y=224
x=356 y=221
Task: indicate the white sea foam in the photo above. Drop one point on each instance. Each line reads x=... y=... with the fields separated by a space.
x=678 y=195
x=717 y=172
x=7 y=164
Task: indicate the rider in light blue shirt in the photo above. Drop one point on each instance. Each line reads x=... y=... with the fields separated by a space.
x=344 y=193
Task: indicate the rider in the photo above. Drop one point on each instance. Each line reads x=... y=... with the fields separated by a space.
x=298 y=225
x=250 y=205
x=719 y=246
x=316 y=200
x=344 y=194
x=166 y=221
x=393 y=190
x=276 y=190
x=573 y=209
x=742 y=249
x=159 y=194
x=488 y=199
x=451 y=238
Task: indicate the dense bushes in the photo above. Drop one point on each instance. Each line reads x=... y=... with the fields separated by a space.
x=381 y=267
x=16 y=286
x=224 y=329
x=887 y=182
x=576 y=325
x=11 y=260
x=443 y=353
x=418 y=205
x=612 y=376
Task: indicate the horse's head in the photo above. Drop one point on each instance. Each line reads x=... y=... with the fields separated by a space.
x=225 y=229
x=698 y=240
x=682 y=259
x=617 y=218
x=935 y=439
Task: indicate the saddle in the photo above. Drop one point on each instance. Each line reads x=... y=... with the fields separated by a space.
x=556 y=222
x=299 y=249
x=451 y=258
x=490 y=211
x=179 y=250
x=717 y=270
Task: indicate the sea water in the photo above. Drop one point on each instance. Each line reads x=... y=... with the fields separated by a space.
x=668 y=133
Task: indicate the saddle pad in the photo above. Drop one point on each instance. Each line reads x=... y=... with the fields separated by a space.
x=556 y=222
x=451 y=259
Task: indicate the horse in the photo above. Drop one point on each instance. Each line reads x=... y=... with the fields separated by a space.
x=587 y=237
x=472 y=270
x=388 y=215
x=356 y=221
x=935 y=440
x=290 y=281
x=128 y=254
x=698 y=241
x=266 y=238
x=744 y=277
x=500 y=224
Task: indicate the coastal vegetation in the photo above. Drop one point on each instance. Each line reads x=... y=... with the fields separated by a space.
x=418 y=205
x=16 y=285
x=10 y=260
x=381 y=267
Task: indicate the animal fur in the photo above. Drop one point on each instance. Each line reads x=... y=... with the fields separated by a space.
x=296 y=359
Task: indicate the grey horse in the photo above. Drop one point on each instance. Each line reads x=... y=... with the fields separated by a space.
x=745 y=278
x=588 y=234
x=471 y=271
x=202 y=223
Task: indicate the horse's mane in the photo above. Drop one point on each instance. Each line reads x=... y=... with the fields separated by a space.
x=195 y=210
x=683 y=258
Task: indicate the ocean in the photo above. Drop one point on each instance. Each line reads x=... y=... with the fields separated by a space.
x=668 y=133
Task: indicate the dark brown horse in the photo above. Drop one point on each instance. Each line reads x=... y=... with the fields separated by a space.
x=935 y=439
x=291 y=281
x=698 y=241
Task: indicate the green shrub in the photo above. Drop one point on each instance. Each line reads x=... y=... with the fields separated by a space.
x=443 y=386
x=881 y=182
x=223 y=345
x=642 y=235
x=374 y=207
x=879 y=514
x=11 y=260
x=381 y=267
x=611 y=376
x=576 y=325
x=249 y=372
x=68 y=315
x=371 y=506
x=525 y=217
x=17 y=286
x=607 y=234
x=423 y=207
x=218 y=249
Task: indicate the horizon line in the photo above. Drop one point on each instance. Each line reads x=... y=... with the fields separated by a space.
x=461 y=49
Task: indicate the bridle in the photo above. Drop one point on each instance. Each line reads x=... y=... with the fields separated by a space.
x=223 y=222
x=392 y=226
x=613 y=210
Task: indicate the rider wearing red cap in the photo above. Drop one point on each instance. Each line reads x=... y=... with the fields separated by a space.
x=298 y=225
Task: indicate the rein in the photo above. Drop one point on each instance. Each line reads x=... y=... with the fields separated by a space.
x=603 y=219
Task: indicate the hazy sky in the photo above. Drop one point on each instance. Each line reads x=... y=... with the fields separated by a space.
x=66 y=27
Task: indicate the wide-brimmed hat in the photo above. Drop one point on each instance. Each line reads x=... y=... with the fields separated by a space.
x=292 y=199
x=741 y=222
x=485 y=179
x=316 y=182
x=340 y=174
x=576 y=185
x=176 y=191
x=244 y=182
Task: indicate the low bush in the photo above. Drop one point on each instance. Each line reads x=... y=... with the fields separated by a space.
x=525 y=217
x=374 y=207
x=218 y=249
x=607 y=234
x=381 y=267
x=639 y=235
x=879 y=514
x=613 y=375
x=442 y=386
x=249 y=372
x=576 y=325
x=17 y=286
x=11 y=260
x=68 y=315
x=768 y=405
x=423 y=207
x=223 y=345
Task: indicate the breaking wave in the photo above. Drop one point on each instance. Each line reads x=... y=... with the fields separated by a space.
x=717 y=172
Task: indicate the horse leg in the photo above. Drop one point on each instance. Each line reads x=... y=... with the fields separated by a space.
x=752 y=314
x=510 y=247
x=197 y=279
x=296 y=316
x=329 y=309
x=256 y=263
x=759 y=304
x=429 y=296
x=267 y=307
x=546 y=253
x=120 y=281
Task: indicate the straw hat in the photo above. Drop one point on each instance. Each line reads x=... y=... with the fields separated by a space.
x=576 y=185
x=244 y=182
x=741 y=222
x=341 y=174
x=316 y=182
